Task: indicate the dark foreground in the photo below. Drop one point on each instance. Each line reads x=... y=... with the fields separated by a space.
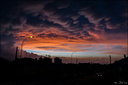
x=33 y=72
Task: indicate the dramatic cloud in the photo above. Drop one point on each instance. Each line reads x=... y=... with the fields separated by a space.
x=64 y=26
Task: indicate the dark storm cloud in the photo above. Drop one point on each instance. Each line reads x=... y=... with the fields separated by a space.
x=7 y=46
x=33 y=20
x=7 y=40
x=107 y=10
x=78 y=24
x=46 y=47
x=70 y=14
x=55 y=36
x=77 y=18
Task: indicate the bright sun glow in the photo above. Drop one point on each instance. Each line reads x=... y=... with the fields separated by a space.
x=31 y=36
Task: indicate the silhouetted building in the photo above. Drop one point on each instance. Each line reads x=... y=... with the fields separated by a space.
x=40 y=59
x=36 y=59
x=57 y=60
x=45 y=60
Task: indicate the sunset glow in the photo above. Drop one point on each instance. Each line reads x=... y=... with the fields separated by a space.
x=91 y=28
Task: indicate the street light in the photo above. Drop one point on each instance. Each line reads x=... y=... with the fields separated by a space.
x=71 y=55
x=22 y=45
x=31 y=37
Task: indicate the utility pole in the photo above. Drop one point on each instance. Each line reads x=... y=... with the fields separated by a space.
x=124 y=56
x=110 y=58
x=22 y=45
x=16 y=53
x=76 y=60
x=71 y=56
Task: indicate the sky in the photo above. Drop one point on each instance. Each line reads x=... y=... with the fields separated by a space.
x=88 y=28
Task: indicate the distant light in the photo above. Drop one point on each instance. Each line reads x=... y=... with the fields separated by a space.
x=31 y=36
x=99 y=74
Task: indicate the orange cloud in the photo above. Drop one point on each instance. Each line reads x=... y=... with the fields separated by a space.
x=54 y=40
